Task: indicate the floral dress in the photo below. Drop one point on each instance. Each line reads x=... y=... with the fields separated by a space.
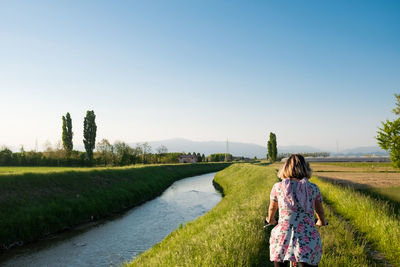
x=295 y=237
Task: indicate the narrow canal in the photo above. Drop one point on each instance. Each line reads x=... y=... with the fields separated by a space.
x=112 y=242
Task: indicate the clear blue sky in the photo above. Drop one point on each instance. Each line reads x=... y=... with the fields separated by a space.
x=313 y=72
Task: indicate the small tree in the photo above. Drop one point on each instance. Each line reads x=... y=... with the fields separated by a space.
x=5 y=156
x=105 y=150
x=143 y=150
x=161 y=150
x=67 y=134
x=123 y=153
x=89 y=133
x=272 y=148
x=389 y=135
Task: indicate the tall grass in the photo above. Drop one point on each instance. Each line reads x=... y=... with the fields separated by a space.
x=391 y=193
x=341 y=244
x=231 y=234
x=375 y=218
x=36 y=204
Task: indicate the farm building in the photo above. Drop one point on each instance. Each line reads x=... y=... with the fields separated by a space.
x=188 y=159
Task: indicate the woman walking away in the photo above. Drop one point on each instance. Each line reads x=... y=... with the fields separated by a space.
x=295 y=238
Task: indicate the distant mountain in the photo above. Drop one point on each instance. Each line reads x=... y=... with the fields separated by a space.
x=210 y=147
x=359 y=151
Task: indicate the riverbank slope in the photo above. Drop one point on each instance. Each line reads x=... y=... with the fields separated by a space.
x=33 y=205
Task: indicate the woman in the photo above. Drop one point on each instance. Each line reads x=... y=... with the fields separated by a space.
x=295 y=238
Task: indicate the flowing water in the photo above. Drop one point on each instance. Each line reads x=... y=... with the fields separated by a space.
x=114 y=241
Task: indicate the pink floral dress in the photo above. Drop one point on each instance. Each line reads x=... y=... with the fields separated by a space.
x=295 y=237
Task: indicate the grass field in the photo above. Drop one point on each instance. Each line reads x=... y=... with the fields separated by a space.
x=231 y=233
x=369 y=200
x=6 y=170
x=374 y=218
x=34 y=204
x=392 y=192
x=381 y=184
x=370 y=167
x=17 y=170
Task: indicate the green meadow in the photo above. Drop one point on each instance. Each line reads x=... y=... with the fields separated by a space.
x=374 y=218
x=17 y=170
x=41 y=169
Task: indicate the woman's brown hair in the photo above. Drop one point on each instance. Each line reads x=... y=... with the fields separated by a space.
x=295 y=167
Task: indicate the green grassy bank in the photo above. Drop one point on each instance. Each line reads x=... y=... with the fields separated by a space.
x=374 y=218
x=231 y=234
x=36 y=204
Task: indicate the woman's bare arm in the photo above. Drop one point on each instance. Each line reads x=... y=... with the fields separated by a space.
x=273 y=207
x=319 y=209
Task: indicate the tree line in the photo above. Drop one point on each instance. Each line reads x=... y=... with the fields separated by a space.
x=102 y=153
x=218 y=157
x=305 y=154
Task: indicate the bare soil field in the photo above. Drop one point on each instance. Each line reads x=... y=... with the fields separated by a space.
x=359 y=175
x=362 y=179
x=356 y=167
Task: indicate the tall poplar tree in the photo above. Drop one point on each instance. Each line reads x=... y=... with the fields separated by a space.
x=89 y=133
x=272 y=147
x=67 y=133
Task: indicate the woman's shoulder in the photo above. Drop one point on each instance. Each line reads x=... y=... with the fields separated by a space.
x=277 y=185
x=313 y=186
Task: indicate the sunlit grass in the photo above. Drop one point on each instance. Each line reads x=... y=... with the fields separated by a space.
x=342 y=246
x=6 y=170
x=17 y=170
x=375 y=218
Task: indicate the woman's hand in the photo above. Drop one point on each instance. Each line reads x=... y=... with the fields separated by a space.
x=272 y=221
x=320 y=223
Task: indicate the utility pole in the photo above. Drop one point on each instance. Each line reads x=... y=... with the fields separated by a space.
x=227 y=149
x=337 y=147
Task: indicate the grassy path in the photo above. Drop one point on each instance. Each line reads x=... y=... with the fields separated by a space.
x=231 y=233
x=374 y=218
x=342 y=245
